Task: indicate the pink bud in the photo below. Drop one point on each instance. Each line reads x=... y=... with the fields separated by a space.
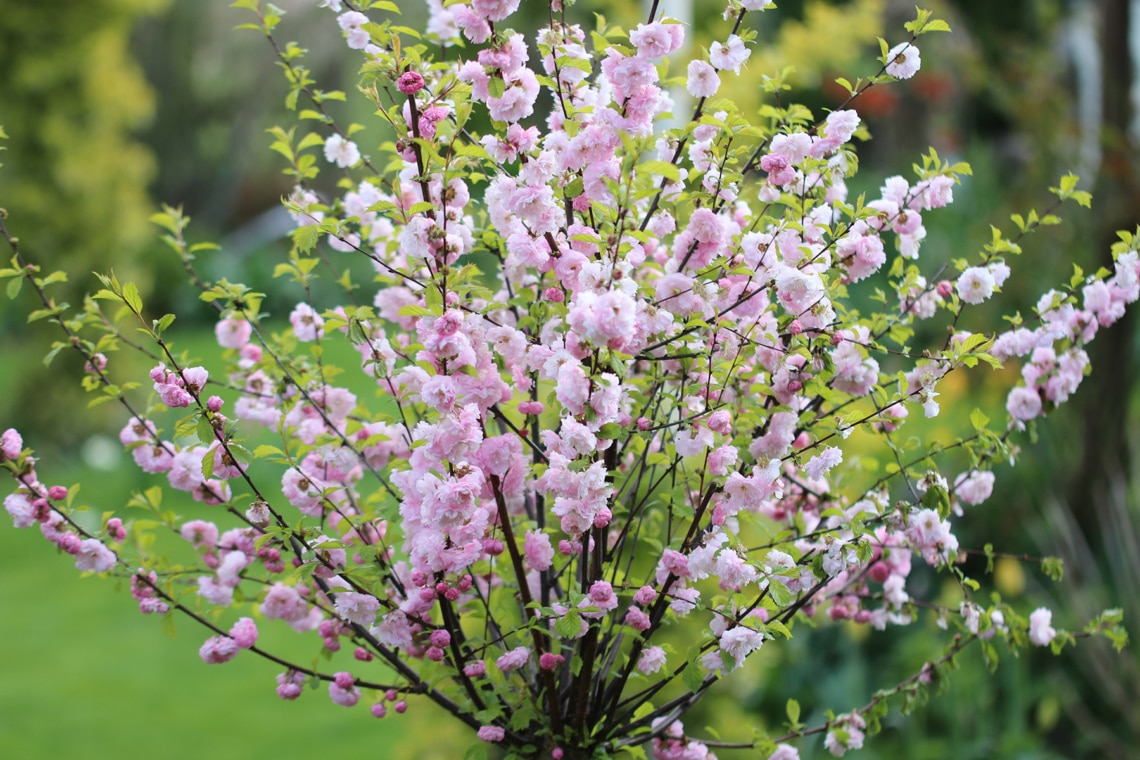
x=70 y=543
x=795 y=328
x=435 y=654
x=115 y=529
x=214 y=403
x=879 y=572
x=343 y=680
x=401 y=707
x=57 y=493
x=379 y=710
x=945 y=288
x=391 y=695
x=531 y=407
x=440 y=638
x=550 y=661
x=410 y=82
x=554 y=295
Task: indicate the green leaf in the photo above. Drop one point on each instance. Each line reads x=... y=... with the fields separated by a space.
x=692 y=677
x=663 y=168
x=569 y=625
x=305 y=238
x=1053 y=567
x=792 y=710
x=205 y=430
x=780 y=593
x=131 y=297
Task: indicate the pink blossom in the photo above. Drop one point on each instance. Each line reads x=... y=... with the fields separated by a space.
x=307 y=324
x=740 y=641
x=602 y=596
x=357 y=608
x=730 y=55
x=821 y=463
x=974 y=487
x=513 y=660
x=284 y=603
x=1023 y=403
x=652 y=660
x=491 y=733
x=539 y=552
x=975 y=285
x=341 y=152
x=233 y=332
x=734 y=572
x=658 y=39
x=517 y=101
x=352 y=23
x=244 y=633
x=218 y=649
x=703 y=81
x=215 y=592
x=637 y=619
x=494 y=10
x=11 y=444
x=903 y=60
x=645 y=595
x=1041 y=632
x=94 y=556
x=785 y=752
x=474 y=26
x=289 y=684
x=20 y=507
x=343 y=691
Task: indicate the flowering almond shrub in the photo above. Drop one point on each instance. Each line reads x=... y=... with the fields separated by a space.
x=611 y=376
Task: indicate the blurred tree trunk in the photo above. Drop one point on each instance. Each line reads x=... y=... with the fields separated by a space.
x=1117 y=206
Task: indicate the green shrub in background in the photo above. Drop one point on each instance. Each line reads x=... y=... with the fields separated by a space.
x=73 y=97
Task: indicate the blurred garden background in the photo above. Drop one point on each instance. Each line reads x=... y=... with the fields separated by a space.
x=116 y=106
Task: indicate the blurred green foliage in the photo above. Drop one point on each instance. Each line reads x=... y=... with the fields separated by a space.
x=75 y=175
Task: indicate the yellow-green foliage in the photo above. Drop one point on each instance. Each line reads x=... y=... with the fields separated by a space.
x=75 y=179
x=831 y=39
